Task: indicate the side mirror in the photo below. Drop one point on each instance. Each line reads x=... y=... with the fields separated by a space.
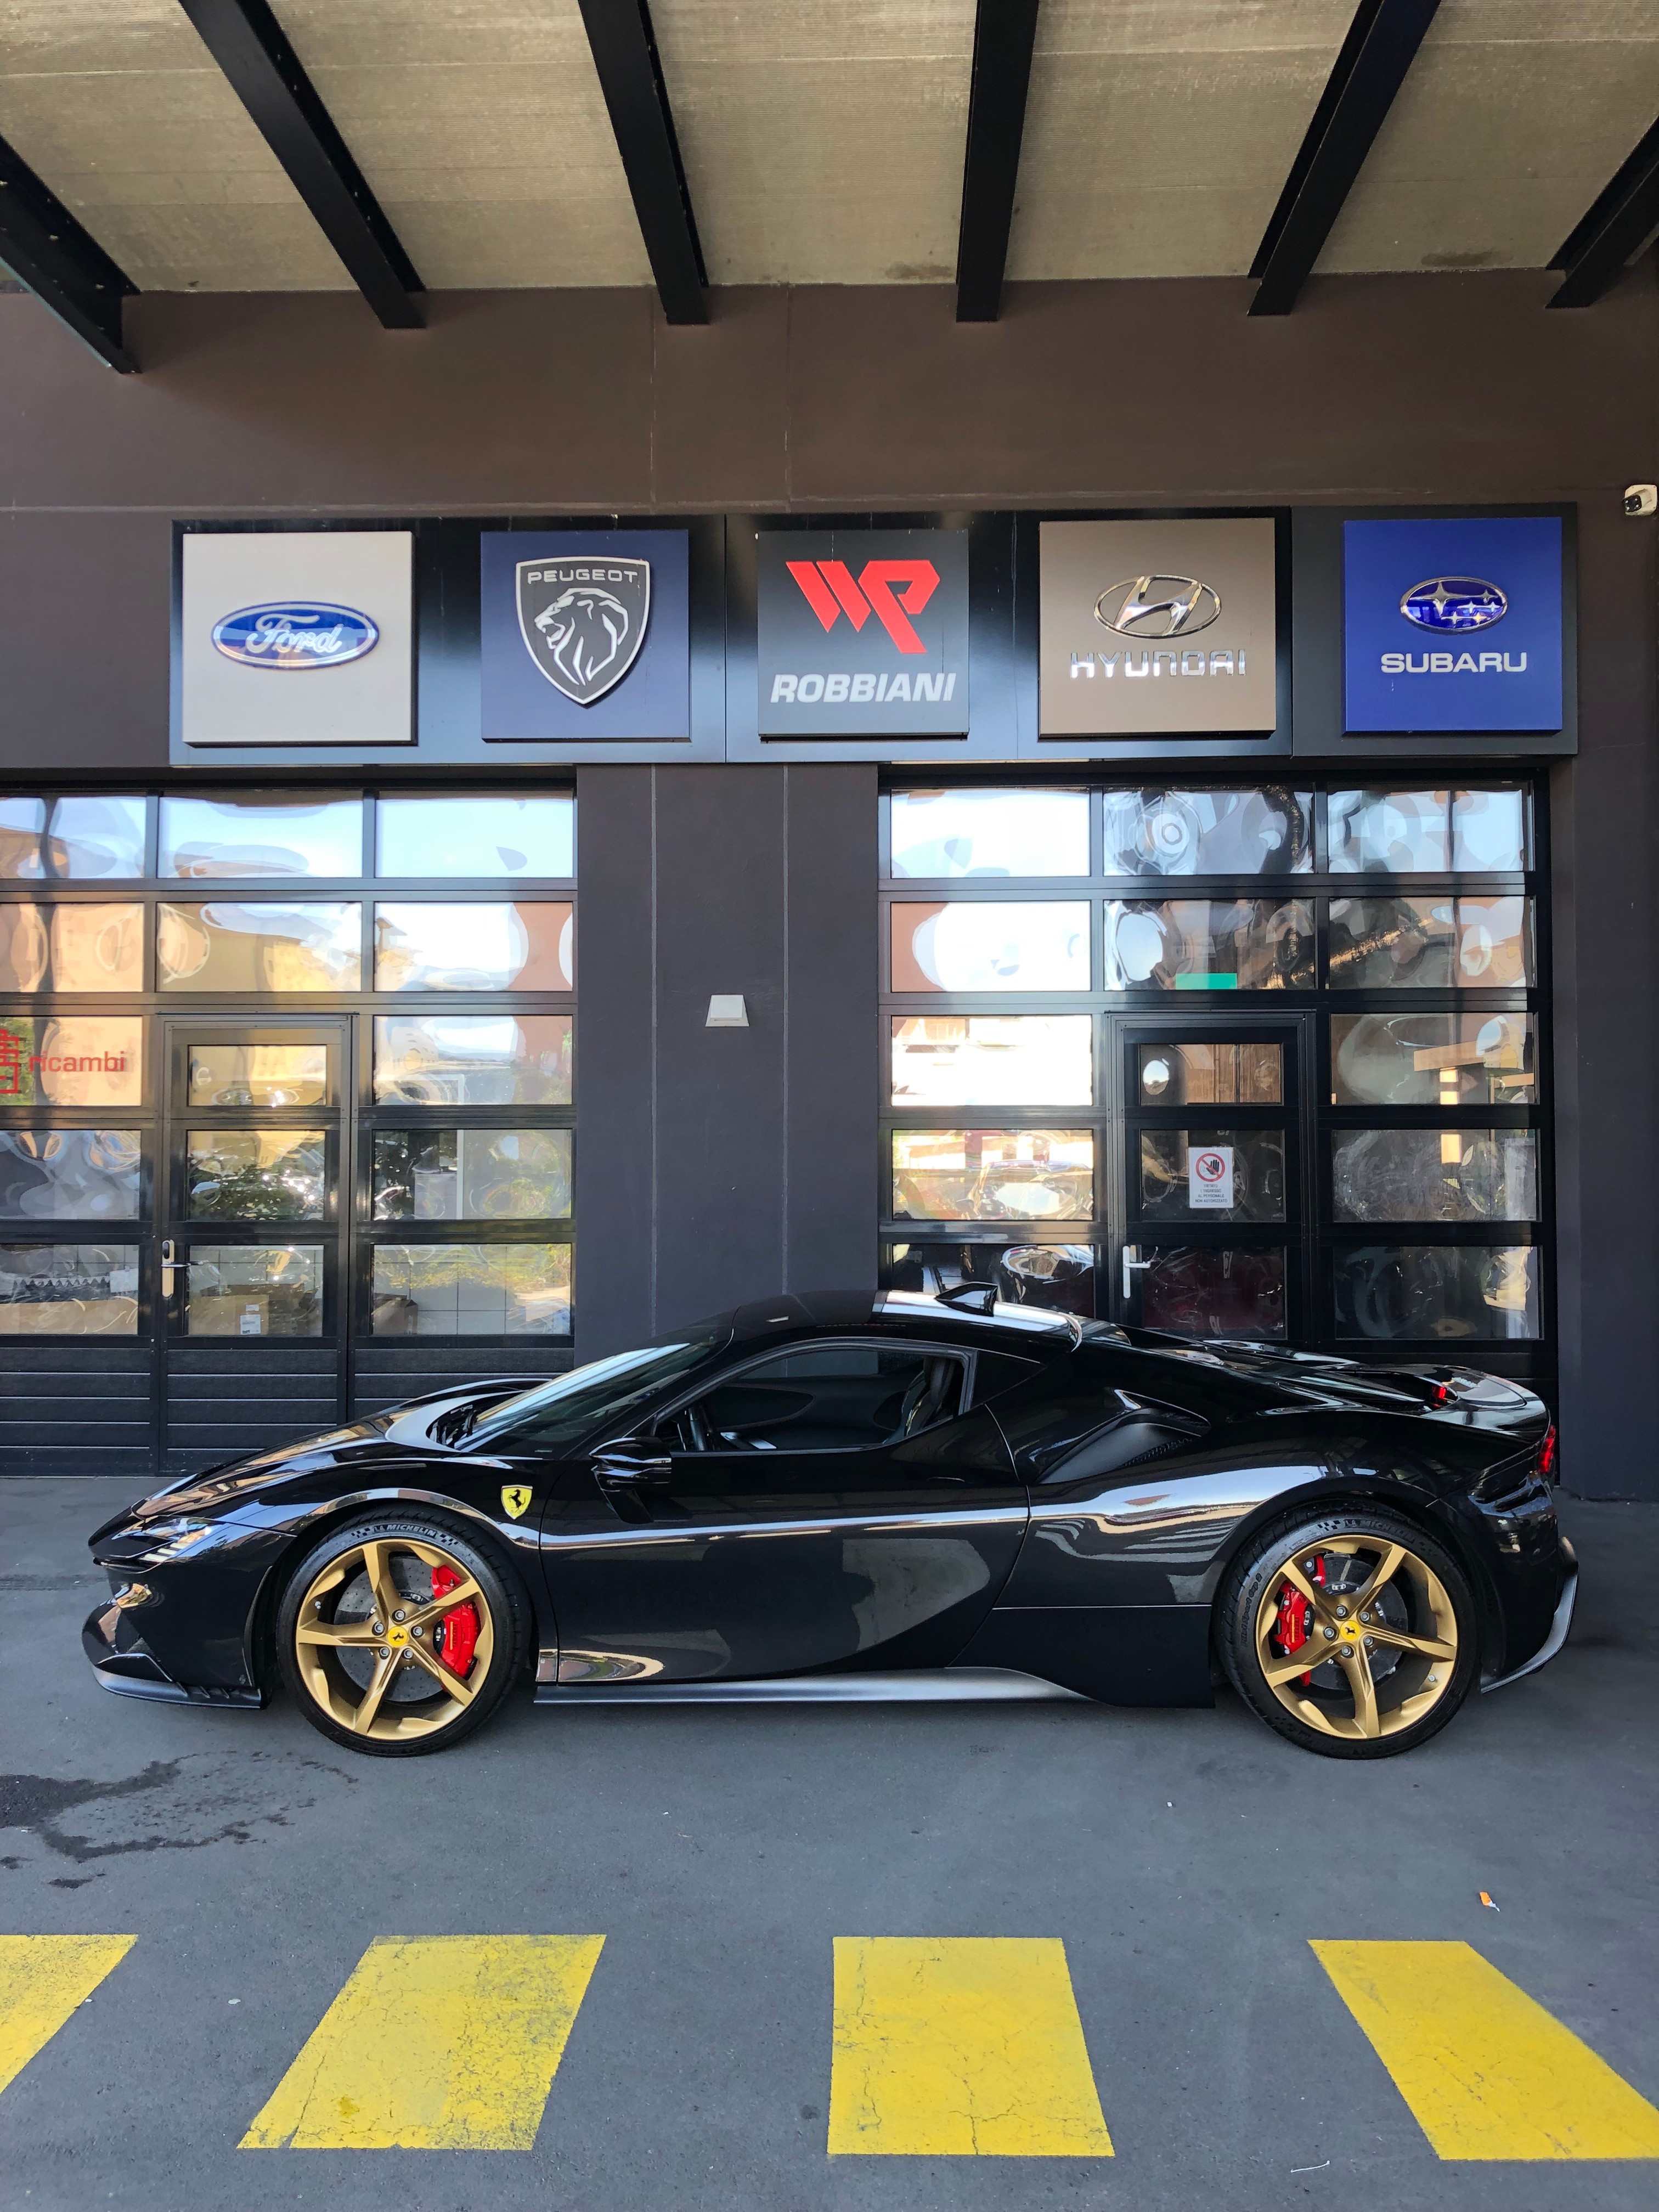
x=632 y=1460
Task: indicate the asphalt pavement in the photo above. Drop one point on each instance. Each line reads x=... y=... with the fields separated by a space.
x=851 y=1957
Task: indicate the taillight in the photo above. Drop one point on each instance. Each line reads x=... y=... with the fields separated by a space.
x=1547 y=1453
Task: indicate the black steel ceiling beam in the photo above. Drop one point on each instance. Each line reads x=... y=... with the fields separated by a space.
x=1379 y=49
x=60 y=261
x=1004 y=34
x=249 y=46
x=630 y=76
x=1623 y=217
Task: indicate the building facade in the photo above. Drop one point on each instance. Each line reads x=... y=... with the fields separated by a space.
x=512 y=839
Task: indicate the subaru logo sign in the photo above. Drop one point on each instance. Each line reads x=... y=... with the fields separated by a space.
x=295 y=633
x=1454 y=604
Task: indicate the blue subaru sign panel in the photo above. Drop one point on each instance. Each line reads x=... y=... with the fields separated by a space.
x=298 y=634
x=584 y=634
x=1453 y=625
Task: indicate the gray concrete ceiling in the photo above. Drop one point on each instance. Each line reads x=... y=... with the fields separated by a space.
x=824 y=144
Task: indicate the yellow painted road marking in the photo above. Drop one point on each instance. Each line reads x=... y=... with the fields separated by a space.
x=949 y=2046
x=436 y=2042
x=42 y=1980
x=1486 y=2072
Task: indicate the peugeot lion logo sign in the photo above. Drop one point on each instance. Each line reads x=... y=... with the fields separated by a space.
x=1454 y=603
x=583 y=621
x=1157 y=606
x=301 y=633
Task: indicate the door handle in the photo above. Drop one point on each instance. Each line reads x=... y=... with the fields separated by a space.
x=1132 y=1266
x=170 y=1265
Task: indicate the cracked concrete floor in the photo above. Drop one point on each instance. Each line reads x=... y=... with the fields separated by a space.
x=1184 y=1858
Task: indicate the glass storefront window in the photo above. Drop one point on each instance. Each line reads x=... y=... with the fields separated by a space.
x=1430 y=832
x=77 y=947
x=69 y=1174
x=1207 y=1291
x=69 y=1290
x=1059 y=1277
x=71 y=839
x=80 y=1061
x=225 y=947
x=1209 y=833
x=1242 y=1074
x=528 y=945
x=471 y=1175
x=993 y=1175
x=254 y=1290
x=936 y=834
x=1168 y=1192
x=1394 y=1293
x=993 y=1059
x=256 y=1174
x=472 y=1059
x=471 y=1290
x=1431 y=944
x=271 y=1075
x=478 y=837
x=261 y=837
x=991 y=946
x=1434 y=1060
x=1434 y=1175
x=1209 y=944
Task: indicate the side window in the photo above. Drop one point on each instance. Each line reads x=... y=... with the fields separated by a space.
x=830 y=1398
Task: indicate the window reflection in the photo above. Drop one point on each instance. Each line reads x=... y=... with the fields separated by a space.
x=471 y=1175
x=1435 y=1175
x=71 y=948
x=442 y=835
x=69 y=1290
x=993 y=1059
x=272 y=1075
x=256 y=1174
x=472 y=1059
x=1170 y=1191
x=989 y=833
x=260 y=836
x=1209 y=833
x=1433 y=1060
x=1235 y=1074
x=1209 y=944
x=1430 y=832
x=254 y=1290
x=226 y=947
x=1435 y=1293
x=1206 y=1291
x=1059 y=1277
x=526 y=946
x=83 y=1061
x=1429 y=944
x=993 y=1175
x=69 y=1174
x=71 y=839
x=471 y=1290
x=990 y=945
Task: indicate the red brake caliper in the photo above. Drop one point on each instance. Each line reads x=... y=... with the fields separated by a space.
x=1294 y=1615
x=456 y=1637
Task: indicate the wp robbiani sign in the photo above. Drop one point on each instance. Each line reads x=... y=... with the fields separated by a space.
x=862 y=634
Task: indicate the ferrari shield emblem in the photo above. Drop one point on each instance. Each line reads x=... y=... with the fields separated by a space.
x=583 y=621
x=516 y=1497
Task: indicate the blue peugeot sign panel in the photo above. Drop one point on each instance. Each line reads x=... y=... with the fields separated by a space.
x=1453 y=625
x=295 y=633
x=584 y=635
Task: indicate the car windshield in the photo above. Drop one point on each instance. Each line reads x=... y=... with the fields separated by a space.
x=554 y=1416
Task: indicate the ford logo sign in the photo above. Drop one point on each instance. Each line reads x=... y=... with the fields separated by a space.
x=1454 y=603
x=295 y=633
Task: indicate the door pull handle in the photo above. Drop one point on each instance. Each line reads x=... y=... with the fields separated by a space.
x=171 y=1264
x=1134 y=1264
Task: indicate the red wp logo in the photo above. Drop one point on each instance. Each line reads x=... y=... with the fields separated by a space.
x=892 y=591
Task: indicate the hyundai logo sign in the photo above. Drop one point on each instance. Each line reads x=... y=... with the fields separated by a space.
x=1454 y=604
x=1157 y=606
x=295 y=633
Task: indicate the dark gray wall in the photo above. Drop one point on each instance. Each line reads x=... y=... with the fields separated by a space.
x=718 y=1165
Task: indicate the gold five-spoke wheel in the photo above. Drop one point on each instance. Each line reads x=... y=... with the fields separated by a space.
x=1356 y=1637
x=394 y=1637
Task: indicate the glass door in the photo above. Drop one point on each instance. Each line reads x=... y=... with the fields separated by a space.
x=251 y=1228
x=1209 y=1171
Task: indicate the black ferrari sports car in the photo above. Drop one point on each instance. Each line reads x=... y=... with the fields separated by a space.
x=836 y=1497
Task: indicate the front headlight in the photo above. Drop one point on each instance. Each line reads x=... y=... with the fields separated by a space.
x=165 y=1541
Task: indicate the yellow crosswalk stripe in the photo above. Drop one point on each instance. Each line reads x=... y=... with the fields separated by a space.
x=43 y=1978
x=435 y=2042
x=949 y=2046
x=1487 y=2072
